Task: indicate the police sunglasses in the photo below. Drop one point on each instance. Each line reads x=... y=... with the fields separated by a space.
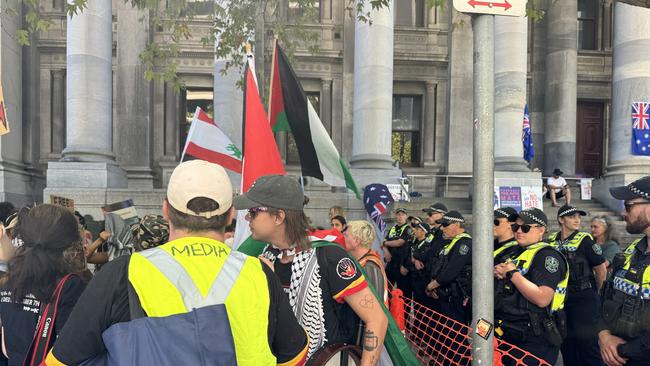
x=252 y=212
x=445 y=224
x=524 y=228
x=629 y=205
x=497 y=222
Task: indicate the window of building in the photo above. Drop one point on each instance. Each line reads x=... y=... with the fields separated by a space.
x=293 y=157
x=309 y=15
x=587 y=24
x=198 y=8
x=194 y=98
x=410 y=13
x=407 y=119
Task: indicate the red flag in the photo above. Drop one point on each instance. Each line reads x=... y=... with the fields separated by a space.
x=261 y=155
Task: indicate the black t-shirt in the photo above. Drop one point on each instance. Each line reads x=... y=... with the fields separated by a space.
x=338 y=279
x=457 y=260
x=106 y=302
x=19 y=320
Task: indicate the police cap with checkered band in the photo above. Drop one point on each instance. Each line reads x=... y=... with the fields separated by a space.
x=640 y=188
x=533 y=216
x=451 y=217
x=568 y=210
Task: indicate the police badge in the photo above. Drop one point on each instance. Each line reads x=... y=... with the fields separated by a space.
x=551 y=264
x=597 y=249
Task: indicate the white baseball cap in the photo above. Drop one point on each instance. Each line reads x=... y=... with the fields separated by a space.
x=199 y=178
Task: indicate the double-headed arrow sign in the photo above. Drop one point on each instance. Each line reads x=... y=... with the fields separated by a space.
x=515 y=8
x=490 y=4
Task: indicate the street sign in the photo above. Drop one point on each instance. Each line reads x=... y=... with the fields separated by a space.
x=513 y=8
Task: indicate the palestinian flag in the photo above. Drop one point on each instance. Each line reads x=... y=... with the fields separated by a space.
x=290 y=109
x=261 y=156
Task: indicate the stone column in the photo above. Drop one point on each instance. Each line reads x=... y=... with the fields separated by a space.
x=326 y=104
x=536 y=104
x=58 y=111
x=561 y=86
x=133 y=97
x=326 y=11
x=14 y=180
x=373 y=90
x=631 y=83
x=89 y=133
x=607 y=25
x=460 y=95
x=429 y=124
x=88 y=168
x=510 y=70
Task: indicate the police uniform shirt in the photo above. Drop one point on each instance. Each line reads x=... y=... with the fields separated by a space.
x=458 y=258
x=19 y=319
x=508 y=253
x=588 y=248
x=548 y=268
x=498 y=244
x=636 y=349
x=106 y=302
x=399 y=253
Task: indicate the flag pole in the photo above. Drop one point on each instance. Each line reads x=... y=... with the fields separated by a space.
x=275 y=47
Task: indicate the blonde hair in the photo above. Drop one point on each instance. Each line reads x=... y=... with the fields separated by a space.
x=336 y=211
x=363 y=231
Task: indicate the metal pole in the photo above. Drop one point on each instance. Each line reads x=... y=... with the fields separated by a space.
x=483 y=188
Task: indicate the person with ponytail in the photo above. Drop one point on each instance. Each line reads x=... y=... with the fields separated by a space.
x=39 y=291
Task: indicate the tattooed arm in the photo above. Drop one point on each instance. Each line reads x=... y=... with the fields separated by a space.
x=366 y=306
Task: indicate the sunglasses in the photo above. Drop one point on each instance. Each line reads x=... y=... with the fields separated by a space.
x=629 y=205
x=446 y=223
x=497 y=222
x=252 y=212
x=524 y=228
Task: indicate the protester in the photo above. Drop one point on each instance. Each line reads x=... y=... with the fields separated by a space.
x=326 y=290
x=625 y=327
x=8 y=221
x=557 y=187
x=339 y=223
x=359 y=237
x=150 y=308
x=531 y=290
x=601 y=230
x=151 y=231
x=452 y=278
x=39 y=280
x=587 y=273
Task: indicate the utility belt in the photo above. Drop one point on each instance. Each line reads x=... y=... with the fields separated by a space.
x=455 y=291
x=625 y=315
x=551 y=327
x=579 y=285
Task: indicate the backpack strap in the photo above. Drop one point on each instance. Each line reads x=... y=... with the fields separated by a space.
x=43 y=337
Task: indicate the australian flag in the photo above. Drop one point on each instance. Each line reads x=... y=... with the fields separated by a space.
x=527 y=137
x=641 y=128
x=377 y=199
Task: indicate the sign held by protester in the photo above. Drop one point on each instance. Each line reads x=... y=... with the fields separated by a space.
x=125 y=209
x=4 y=123
x=63 y=201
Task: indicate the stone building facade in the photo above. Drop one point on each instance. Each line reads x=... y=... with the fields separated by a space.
x=86 y=124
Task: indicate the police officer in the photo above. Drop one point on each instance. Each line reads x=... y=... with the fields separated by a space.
x=587 y=273
x=624 y=335
x=395 y=251
x=434 y=213
x=528 y=305
x=503 y=235
x=451 y=278
x=420 y=258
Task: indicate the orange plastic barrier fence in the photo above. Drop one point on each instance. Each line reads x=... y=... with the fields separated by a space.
x=441 y=341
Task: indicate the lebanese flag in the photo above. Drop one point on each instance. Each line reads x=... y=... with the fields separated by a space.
x=290 y=108
x=206 y=141
x=261 y=157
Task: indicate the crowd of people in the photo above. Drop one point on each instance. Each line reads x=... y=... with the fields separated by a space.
x=163 y=290
x=561 y=291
